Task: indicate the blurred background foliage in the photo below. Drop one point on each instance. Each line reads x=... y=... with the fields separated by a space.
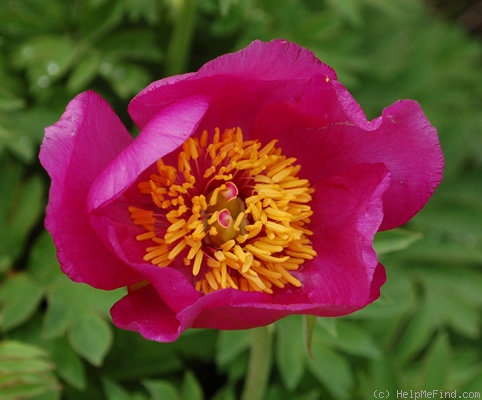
x=56 y=338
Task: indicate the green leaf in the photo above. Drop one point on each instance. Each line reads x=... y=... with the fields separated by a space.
x=10 y=89
x=352 y=339
x=350 y=9
x=84 y=71
x=10 y=101
x=161 y=390
x=330 y=369
x=19 y=298
x=147 y=10
x=118 y=46
x=81 y=311
x=43 y=267
x=140 y=358
x=29 y=17
x=45 y=58
x=21 y=131
x=394 y=240
x=230 y=344
x=474 y=384
x=225 y=393
x=113 y=391
x=19 y=351
x=68 y=301
x=380 y=375
x=99 y=18
x=398 y=296
x=290 y=351
x=437 y=364
x=418 y=331
x=68 y=364
x=126 y=79
x=56 y=318
x=462 y=316
x=191 y=389
x=25 y=371
x=330 y=325
x=20 y=207
x=197 y=343
x=90 y=336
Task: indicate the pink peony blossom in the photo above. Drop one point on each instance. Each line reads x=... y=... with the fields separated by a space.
x=253 y=191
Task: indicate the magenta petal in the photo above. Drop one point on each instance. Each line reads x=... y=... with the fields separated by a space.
x=233 y=309
x=347 y=214
x=165 y=132
x=367 y=176
x=344 y=277
x=238 y=83
x=379 y=278
x=274 y=60
x=108 y=208
x=333 y=134
x=87 y=137
x=143 y=311
x=171 y=285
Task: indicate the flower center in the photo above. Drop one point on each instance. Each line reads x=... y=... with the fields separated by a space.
x=233 y=211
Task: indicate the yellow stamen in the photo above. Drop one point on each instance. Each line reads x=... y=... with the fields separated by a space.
x=233 y=211
x=197 y=263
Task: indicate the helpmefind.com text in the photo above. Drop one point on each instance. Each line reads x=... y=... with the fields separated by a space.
x=425 y=394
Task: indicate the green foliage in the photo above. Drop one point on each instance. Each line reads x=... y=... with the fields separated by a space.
x=26 y=372
x=56 y=339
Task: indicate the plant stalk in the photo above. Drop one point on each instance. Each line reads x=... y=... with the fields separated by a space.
x=259 y=366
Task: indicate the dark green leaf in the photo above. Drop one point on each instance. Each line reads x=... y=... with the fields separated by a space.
x=136 y=357
x=161 y=390
x=113 y=391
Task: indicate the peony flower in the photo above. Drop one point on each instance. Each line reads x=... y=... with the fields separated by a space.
x=253 y=191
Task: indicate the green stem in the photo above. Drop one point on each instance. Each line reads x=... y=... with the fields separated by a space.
x=259 y=364
x=181 y=37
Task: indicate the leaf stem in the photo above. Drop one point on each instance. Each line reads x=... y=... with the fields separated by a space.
x=259 y=364
x=181 y=37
